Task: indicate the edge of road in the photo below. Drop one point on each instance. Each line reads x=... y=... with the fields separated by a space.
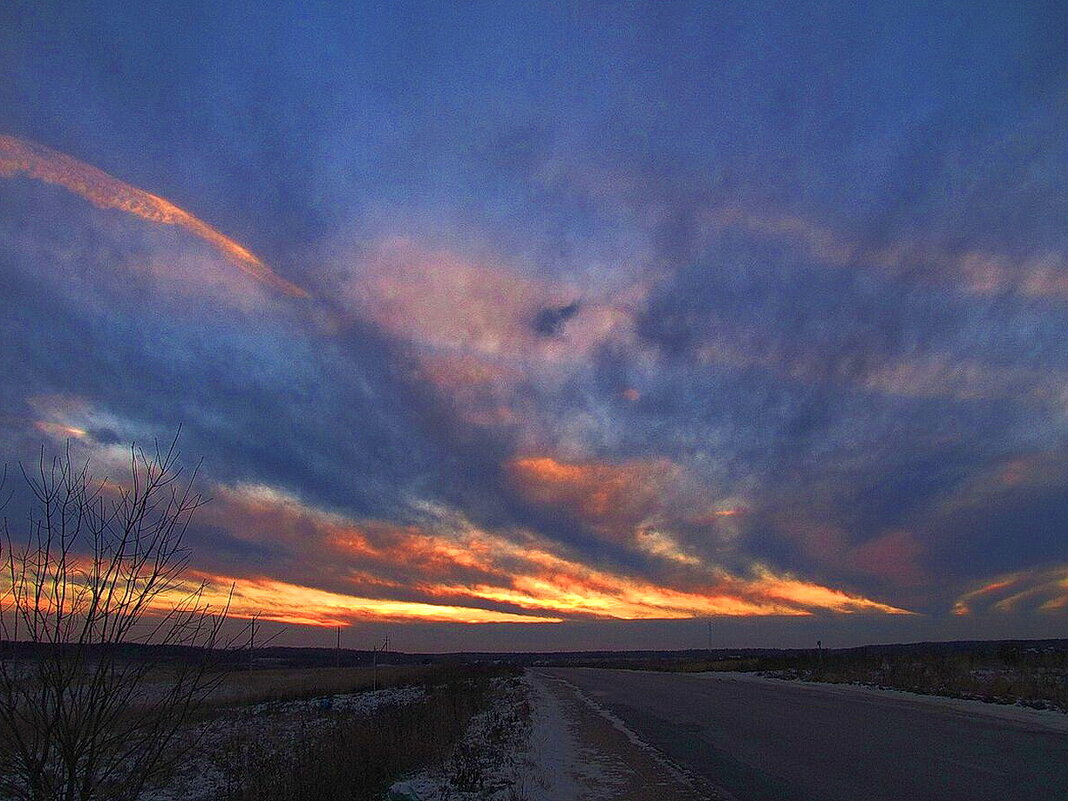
x=685 y=777
x=1044 y=719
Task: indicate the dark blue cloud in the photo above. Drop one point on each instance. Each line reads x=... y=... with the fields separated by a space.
x=828 y=240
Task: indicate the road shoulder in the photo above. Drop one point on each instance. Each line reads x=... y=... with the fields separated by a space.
x=588 y=754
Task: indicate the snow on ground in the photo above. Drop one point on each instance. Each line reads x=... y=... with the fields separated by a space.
x=350 y=703
x=566 y=761
x=270 y=724
x=544 y=758
x=553 y=748
x=544 y=740
x=490 y=763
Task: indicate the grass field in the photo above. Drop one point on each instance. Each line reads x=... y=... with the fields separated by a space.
x=244 y=687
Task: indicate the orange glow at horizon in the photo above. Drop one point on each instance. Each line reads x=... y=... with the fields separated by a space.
x=462 y=566
x=283 y=602
x=452 y=577
x=107 y=192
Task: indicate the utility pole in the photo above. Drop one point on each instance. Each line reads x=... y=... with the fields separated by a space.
x=375 y=651
x=337 y=654
x=710 y=634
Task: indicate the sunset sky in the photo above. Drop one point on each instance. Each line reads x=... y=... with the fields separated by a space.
x=542 y=325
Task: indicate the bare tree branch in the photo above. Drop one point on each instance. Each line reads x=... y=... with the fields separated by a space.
x=107 y=647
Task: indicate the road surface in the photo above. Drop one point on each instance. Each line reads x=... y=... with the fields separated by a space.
x=767 y=740
x=579 y=753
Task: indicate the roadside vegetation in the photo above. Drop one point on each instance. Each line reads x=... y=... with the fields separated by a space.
x=325 y=752
x=1013 y=674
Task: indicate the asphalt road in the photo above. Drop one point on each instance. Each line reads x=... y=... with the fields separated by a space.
x=763 y=740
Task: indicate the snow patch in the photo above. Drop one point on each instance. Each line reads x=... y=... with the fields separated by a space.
x=275 y=725
x=489 y=763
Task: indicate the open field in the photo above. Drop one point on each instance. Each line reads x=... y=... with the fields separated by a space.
x=280 y=684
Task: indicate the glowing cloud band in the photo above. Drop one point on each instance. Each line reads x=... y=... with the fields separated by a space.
x=50 y=166
x=284 y=602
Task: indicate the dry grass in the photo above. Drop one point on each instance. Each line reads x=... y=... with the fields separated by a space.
x=245 y=687
x=356 y=758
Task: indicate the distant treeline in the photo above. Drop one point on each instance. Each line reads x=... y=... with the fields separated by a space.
x=269 y=657
x=976 y=648
x=1051 y=651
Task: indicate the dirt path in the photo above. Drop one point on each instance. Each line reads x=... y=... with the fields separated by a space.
x=584 y=753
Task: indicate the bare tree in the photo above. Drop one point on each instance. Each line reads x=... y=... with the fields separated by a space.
x=107 y=648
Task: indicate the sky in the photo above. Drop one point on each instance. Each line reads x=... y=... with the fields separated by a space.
x=533 y=326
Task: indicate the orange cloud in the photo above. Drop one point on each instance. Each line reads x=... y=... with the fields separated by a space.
x=271 y=599
x=893 y=555
x=621 y=600
x=808 y=594
x=50 y=166
x=612 y=499
x=59 y=430
x=1042 y=590
x=262 y=514
x=74 y=421
x=280 y=601
x=581 y=592
x=440 y=300
x=455 y=565
x=634 y=503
